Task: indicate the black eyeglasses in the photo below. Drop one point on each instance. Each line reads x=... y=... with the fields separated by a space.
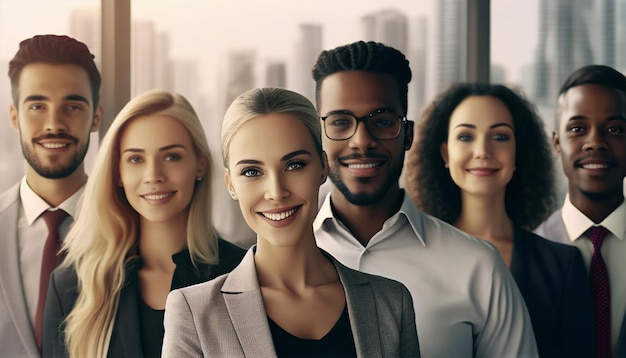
x=381 y=124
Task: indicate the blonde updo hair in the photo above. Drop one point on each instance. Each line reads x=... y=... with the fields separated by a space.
x=260 y=101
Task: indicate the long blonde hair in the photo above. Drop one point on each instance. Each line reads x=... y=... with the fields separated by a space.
x=104 y=236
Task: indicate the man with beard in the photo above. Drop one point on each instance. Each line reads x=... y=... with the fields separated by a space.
x=590 y=137
x=466 y=302
x=55 y=89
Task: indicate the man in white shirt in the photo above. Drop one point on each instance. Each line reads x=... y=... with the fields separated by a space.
x=590 y=137
x=55 y=87
x=466 y=302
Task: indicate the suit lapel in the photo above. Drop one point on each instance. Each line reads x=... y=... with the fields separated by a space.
x=244 y=302
x=362 y=312
x=10 y=277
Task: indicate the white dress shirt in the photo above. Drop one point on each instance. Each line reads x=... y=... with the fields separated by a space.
x=613 y=253
x=466 y=301
x=32 y=232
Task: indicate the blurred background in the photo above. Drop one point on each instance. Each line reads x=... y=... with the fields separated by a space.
x=212 y=50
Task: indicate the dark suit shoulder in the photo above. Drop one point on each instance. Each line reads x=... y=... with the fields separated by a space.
x=545 y=247
x=64 y=278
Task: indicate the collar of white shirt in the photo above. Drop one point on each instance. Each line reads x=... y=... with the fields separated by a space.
x=34 y=205
x=576 y=223
x=408 y=209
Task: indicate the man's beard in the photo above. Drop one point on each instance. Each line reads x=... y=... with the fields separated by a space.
x=365 y=199
x=58 y=171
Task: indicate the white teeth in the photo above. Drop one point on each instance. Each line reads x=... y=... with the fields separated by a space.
x=156 y=196
x=279 y=216
x=362 y=166
x=54 y=145
x=595 y=166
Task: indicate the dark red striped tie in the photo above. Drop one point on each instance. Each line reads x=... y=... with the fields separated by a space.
x=601 y=292
x=49 y=261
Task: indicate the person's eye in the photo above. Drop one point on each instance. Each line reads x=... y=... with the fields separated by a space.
x=501 y=137
x=135 y=159
x=74 y=107
x=340 y=122
x=576 y=129
x=36 y=107
x=250 y=172
x=296 y=165
x=172 y=157
x=384 y=122
x=464 y=137
x=616 y=130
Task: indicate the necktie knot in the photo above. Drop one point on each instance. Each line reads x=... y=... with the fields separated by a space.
x=597 y=234
x=54 y=218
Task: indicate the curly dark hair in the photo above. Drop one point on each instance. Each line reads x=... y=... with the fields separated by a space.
x=529 y=197
x=56 y=50
x=364 y=56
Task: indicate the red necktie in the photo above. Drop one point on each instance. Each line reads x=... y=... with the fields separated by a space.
x=601 y=292
x=49 y=261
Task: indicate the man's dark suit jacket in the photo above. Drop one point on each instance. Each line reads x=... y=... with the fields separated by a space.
x=554 y=283
x=126 y=336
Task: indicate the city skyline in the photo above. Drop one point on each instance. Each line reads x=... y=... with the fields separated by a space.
x=166 y=54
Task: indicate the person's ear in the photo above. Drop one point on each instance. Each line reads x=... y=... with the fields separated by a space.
x=325 y=168
x=443 y=149
x=556 y=142
x=229 y=184
x=97 y=119
x=13 y=120
x=202 y=167
x=409 y=132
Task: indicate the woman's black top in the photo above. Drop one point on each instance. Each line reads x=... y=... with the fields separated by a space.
x=338 y=342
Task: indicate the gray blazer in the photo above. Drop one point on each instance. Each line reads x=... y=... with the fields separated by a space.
x=225 y=317
x=16 y=331
x=554 y=229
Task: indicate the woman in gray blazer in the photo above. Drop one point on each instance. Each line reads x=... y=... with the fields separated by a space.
x=287 y=297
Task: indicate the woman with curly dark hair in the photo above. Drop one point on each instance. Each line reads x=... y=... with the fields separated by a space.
x=481 y=161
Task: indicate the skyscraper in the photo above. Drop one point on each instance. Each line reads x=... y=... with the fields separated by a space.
x=388 y=26
x=451 y=58
x=307 y=50
x=564 y=45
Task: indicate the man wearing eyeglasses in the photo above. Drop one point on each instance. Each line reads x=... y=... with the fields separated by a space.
x=466 y=302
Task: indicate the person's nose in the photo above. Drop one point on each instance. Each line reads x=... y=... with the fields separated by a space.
x=275 y=188
x=362 y=138
x=595 y=140
x=55 y=121
x=482 y=149
x=153 y=172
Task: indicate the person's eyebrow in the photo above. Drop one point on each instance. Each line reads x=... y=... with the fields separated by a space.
x=162 y=149
x=72 y=97
x=295 y=154
x=467 y=125
x=282 y=159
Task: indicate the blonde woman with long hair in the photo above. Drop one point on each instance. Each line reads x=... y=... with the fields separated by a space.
x=287 y=297
x=143 y=229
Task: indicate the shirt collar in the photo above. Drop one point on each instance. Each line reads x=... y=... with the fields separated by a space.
x=34 y=205
x=408 y=209
x=576 y=223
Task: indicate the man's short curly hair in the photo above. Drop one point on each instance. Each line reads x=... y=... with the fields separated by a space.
x=530 y=196
x=364 y=56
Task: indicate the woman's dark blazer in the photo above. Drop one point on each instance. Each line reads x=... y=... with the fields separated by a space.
x=126 y=336
x=555 y=285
